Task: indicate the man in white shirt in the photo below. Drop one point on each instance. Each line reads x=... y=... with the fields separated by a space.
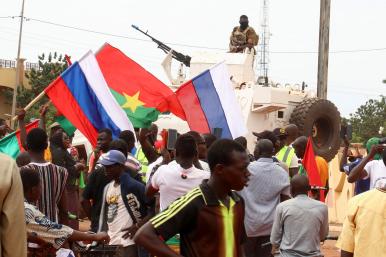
x=370 y=168
x=178 y=177
x=202 y=150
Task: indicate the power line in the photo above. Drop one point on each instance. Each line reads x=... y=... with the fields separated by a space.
x=200 y=47
x=188 y=45
x=116 y=35
x=7 y=17
x=331 y=52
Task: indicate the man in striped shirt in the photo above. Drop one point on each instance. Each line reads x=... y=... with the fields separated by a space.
x=210 y=218
x=52 y=202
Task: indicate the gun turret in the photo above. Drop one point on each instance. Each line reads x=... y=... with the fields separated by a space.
x=185 y=59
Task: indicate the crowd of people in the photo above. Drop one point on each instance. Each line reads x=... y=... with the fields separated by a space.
x=201 y=197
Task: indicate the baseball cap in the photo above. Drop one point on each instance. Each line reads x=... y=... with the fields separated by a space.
x=55 y=124
x=112 y=157
x=280 y=132
x=373 y=141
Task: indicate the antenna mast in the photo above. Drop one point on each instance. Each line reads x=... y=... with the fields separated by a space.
x=263 y=47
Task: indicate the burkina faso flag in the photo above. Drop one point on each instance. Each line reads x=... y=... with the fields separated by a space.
x=138 y=92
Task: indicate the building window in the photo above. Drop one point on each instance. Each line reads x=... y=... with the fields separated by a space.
x=280 y=114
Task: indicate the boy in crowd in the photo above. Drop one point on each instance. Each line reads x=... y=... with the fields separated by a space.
x=52 y=202
x=97 y=180
x=124 y=206
x=41 y=229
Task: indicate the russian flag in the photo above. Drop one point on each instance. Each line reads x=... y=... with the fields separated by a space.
x=81 y=94
x=209 y=102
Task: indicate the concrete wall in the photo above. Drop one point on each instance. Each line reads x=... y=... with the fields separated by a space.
x=4 y=107
x=8 y=81
x=7 y=77
x=340 y=190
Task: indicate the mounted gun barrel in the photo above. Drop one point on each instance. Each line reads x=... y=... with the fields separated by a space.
x=185 y=59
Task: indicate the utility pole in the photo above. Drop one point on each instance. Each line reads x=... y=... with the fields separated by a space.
x=17 y=66
x=324 y=32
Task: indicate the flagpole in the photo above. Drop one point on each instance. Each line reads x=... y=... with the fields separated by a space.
x=34 y=101
x=17 y=66
x=39 y=96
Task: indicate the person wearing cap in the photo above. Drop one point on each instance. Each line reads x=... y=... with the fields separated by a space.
x=277 y=145
x=287 y=152
x=92 y=196
x=281 y=135
x=124 y=205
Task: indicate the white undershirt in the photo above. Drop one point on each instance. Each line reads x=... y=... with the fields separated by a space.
x=117 y=216
x=376 y=171
x=168 y=180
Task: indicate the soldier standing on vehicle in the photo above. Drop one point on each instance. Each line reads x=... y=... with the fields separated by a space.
x=243 y=36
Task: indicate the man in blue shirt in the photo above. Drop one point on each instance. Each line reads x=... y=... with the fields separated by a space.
x=361 y=185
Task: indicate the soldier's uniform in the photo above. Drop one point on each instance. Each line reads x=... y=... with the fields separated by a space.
x=240 y=38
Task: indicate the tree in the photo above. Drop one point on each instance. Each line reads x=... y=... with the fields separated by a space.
x=49 y=69
x=368 y=119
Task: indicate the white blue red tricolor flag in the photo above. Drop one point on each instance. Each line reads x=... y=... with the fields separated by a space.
x=209 y=102
x=82 y=95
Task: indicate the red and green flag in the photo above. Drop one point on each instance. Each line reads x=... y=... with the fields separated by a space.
x=138 y=92
x=310 y=168
x=11 y=144
x=65 y=124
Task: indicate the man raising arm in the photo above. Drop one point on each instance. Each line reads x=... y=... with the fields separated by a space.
x=360 y=171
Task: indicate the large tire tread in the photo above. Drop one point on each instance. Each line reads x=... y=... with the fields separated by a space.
x=307 y=112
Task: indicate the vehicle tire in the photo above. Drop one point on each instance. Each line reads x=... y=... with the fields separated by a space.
x=320 y=119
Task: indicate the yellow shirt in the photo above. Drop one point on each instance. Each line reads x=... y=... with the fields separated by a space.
x=322 y=166
x=364 y=229
x=13 y=235
x=47 y=155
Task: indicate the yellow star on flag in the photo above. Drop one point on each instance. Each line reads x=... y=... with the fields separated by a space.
x=132 y=102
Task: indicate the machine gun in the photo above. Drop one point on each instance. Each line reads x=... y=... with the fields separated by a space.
x=185 y=59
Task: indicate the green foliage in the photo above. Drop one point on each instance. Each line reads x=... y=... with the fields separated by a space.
x=50 y=67
x=368 y=118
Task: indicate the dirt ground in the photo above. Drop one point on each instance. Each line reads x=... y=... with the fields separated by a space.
x=328 y=248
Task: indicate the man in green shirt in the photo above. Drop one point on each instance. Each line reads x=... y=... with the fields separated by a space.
x=210 y=218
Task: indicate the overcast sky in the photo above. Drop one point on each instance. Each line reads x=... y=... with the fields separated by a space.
x=354 y=77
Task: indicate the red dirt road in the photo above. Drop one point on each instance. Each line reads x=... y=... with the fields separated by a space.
x=329 y=249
